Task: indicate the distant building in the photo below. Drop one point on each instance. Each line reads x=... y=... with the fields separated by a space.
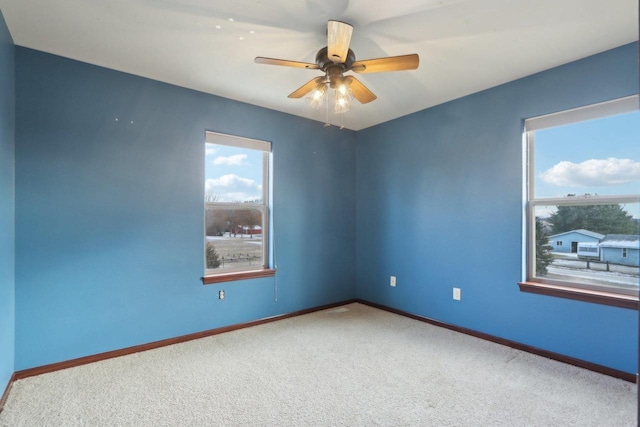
x=567 y=242
x=620 y=249
x=246 y=229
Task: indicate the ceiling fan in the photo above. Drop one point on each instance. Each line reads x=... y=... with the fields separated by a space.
x=336 y=59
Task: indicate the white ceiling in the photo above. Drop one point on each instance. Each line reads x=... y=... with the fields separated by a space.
x=464 y=45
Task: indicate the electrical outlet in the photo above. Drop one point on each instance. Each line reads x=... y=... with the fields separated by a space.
x=457 y=294
x=220 y=294
x=392 y=281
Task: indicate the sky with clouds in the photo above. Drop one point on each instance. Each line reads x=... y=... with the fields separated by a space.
x=233 y=174
x=595 y=157
x=592 y=173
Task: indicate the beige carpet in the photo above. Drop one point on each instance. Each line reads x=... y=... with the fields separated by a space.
x=350 y=366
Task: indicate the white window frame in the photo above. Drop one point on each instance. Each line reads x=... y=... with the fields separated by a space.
x=215 y=275
x=556 y=287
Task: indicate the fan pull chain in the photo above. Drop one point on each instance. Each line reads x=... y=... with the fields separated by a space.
x=326 y=116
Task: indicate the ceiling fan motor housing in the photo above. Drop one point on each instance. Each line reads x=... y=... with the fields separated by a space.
x=323 y=62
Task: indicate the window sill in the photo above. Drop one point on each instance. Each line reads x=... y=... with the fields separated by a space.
x=238 y=275
x=597 y=297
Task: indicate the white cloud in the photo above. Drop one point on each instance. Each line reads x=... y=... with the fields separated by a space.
x=233 y=188
x=594 y=172
x=209 y=151
x=232 y=180
x=235 y=160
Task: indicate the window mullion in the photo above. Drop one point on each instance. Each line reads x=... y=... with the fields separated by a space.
x=589 y=200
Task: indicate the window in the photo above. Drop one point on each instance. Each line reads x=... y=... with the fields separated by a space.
x=236 y=196
x=583 y=180
x=559 y=243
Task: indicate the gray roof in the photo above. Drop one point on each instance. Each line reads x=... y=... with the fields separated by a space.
x=580 y=231
x=620 y=241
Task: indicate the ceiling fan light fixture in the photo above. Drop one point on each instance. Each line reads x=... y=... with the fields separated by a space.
x=316 y=96
x=343 y=99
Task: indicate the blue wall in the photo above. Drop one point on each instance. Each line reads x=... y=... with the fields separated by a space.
x=7 y=205
x=440 y=205
x=109 y=214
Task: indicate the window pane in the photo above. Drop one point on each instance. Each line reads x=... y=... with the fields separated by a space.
x=595 y=246
x=596 y=157
x=233 y=175
x=236 y=210
x=234 y=238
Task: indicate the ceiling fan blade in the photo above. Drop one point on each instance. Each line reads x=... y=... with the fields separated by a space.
x=391 y=63
x=307 y=87
x=338 y=39
x=360 y=91
x=285 y=63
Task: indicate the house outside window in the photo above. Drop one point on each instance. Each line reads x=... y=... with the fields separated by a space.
x=583 y=181
x=236 y=199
